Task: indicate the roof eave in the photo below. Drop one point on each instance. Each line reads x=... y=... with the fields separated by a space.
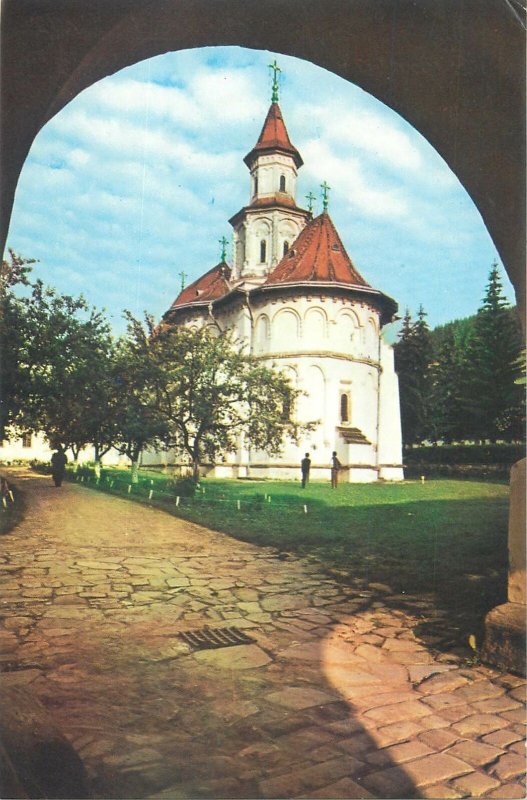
x=390 y=306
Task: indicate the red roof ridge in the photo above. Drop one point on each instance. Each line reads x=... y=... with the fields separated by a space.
x=317 y=256
x=209 y=287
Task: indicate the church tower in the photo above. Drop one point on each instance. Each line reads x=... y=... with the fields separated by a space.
x=266 y=228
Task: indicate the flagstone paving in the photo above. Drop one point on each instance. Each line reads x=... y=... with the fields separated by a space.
x=336 y=697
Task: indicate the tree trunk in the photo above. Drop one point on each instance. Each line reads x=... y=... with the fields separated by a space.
x=135 y=470
x=195 y=468
x=97 y=468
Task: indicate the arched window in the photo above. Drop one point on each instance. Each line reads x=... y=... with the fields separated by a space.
x=344 y=408
x=263 y=251
x=286 y=247
x=282 y=183
x=256 y=184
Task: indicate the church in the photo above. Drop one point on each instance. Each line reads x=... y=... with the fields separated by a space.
x=294 y=299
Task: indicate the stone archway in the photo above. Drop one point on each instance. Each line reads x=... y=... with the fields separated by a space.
x=454 y=70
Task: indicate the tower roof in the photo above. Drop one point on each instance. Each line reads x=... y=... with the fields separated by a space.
x=317 y=256
x=211 y=286
x=273 y=137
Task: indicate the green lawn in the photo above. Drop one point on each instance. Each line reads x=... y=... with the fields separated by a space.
x=443 y=540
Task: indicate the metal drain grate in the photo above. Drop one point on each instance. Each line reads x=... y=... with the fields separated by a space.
x=211 y=638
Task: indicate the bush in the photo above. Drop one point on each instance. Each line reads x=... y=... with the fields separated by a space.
x=457 y=454
x=184 y=487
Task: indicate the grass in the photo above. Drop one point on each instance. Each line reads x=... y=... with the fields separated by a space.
x=444 y=540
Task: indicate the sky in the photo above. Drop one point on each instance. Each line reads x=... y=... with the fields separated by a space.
x=134 y=181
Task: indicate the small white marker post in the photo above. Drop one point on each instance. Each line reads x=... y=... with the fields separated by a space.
x=150 y=493
x=177 y=500
x=305 y=509
x=238 y=504
x=422 y=478
x=268 y=498
x=111 y=484
x=11 y=496
x=129 y=488
x=4 y=502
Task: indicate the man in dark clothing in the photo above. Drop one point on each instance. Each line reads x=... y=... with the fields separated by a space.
x=305 y=465
x=335 y=466
x=58 y=466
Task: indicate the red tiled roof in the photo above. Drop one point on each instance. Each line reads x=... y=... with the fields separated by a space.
x=211 y=286
x=317 y=255
x=274 y=136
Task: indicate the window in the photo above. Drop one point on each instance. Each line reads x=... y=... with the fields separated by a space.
x=286 y=247
x=282 y=183
x=26 y=440
x=344 y=408
x=256 y=184
x=263 y=251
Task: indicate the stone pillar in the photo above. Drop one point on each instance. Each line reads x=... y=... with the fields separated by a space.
x=505 y=625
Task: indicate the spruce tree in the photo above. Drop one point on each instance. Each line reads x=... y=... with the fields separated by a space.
x=492 y=398
x=412 y=363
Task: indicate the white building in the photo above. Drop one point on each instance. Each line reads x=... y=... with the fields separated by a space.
x=295 y=299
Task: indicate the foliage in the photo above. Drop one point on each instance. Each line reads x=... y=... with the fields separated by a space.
x=491 y=396
x=14 y=273
x=66 y=357
x=462 y=381
x=466 y=454
x=413 y=355
x=138 y=377
x=210 y=395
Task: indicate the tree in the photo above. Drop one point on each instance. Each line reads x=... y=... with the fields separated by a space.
x=14 y=273
x=413 y=356
x=66 y=357
x=447 y=420
x=209 y=394
x=493 y=400
x=139 y=377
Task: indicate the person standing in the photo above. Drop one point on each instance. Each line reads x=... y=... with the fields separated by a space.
x=305 y=465
x=58 y=466
x=335 y=466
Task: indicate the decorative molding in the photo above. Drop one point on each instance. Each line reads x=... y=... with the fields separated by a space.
x=320 y=354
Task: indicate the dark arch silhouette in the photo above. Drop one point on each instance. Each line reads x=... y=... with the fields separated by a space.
x=453 y=68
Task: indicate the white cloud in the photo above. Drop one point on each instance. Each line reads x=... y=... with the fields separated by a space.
x=348 y=182
x=365 y=131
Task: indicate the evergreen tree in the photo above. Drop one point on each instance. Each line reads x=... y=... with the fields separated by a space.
x=449 y=364
x=413 y=355
x=492 y=398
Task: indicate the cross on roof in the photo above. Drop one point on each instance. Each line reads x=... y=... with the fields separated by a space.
x=310 y=200
x=183 y=276
x=274 y=66
x=325 y=199
x=224 y=242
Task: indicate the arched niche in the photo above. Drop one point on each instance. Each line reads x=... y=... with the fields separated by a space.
x=262 y=334
x=285 y=330
x=315 y=327
x=346 y=330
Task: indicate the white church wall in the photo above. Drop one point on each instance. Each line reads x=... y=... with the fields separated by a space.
x=390 y=438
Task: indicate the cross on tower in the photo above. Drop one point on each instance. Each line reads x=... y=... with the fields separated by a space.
x=310 y=200
x=224 y=242
x=183 y=276
x=325 y=199
x=274 y=66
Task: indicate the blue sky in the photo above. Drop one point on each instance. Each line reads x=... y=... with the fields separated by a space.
x=134 y=181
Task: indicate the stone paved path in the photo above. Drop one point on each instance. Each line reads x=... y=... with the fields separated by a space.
x=336 y=697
